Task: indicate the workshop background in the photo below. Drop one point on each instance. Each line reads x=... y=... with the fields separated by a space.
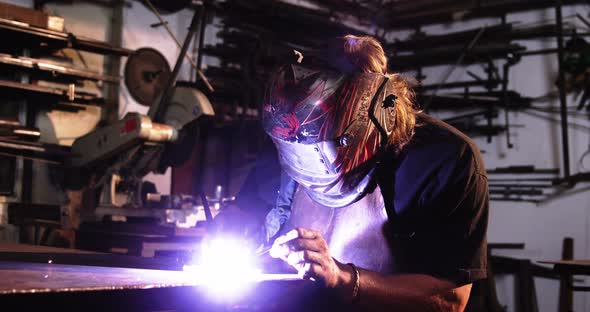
x=488 y=67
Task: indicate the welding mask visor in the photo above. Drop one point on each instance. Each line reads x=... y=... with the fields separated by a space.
x=320 y=124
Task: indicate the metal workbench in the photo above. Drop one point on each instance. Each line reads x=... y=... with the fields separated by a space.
x=50 y=279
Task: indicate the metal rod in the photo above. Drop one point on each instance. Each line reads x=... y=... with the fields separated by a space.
x=457 y=63
x=466 y=116
x=509 y=191
x=520 y=186
x=188 y=57
x=562 y=94
x=505 y=245
x=263 y=251
x=193 y=76
x=536 y=52
x=459 y=84
x=516 y=199
x=583 y=20
x=206 y=207
x=526 y=169
x=490 y=72
x=521 y=179
x=506 y=100
x=580 y=288
x=158 y=110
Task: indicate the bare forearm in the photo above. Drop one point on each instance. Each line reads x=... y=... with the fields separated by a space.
x=408 y=292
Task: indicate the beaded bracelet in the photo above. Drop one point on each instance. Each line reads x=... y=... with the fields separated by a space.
x=357 y=283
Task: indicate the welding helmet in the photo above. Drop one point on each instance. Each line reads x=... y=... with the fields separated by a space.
x=329 y=129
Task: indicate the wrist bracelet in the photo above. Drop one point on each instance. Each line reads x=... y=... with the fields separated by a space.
x=357 y=283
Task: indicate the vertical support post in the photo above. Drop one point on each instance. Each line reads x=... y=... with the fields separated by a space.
x=510 y=61
x=113 y=64
x=505 y=98
x=29 y=115
x=526 y=298
x=562 y=94
x=566 y=296
x=27 y=180
x=202 y=27
x=490 y=110
x=194 y=52
x=506 y=101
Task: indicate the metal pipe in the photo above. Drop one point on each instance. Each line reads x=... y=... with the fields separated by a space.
x=562 y=94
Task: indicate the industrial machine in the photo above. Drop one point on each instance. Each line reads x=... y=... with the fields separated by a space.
x=121 y=154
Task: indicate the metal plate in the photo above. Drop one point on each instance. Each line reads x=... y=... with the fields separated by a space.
x=36 y=278
x=22 y=277
x=33 y=286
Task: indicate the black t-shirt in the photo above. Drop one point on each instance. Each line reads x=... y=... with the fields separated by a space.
x=438 y=207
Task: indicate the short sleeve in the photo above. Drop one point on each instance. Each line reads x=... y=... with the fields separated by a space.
x=460 y=239
x=455 y=232
x=446 y=235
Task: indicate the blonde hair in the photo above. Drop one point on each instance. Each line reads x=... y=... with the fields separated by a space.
x=366 y=55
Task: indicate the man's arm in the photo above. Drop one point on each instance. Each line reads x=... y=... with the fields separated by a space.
x=403 y=292
x=307 y=251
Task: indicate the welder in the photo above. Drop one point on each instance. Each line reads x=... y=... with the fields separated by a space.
x=377 y=200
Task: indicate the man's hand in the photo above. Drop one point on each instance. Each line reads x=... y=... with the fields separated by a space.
x=307 y=251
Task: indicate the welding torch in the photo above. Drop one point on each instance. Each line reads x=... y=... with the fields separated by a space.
x=275 y=249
